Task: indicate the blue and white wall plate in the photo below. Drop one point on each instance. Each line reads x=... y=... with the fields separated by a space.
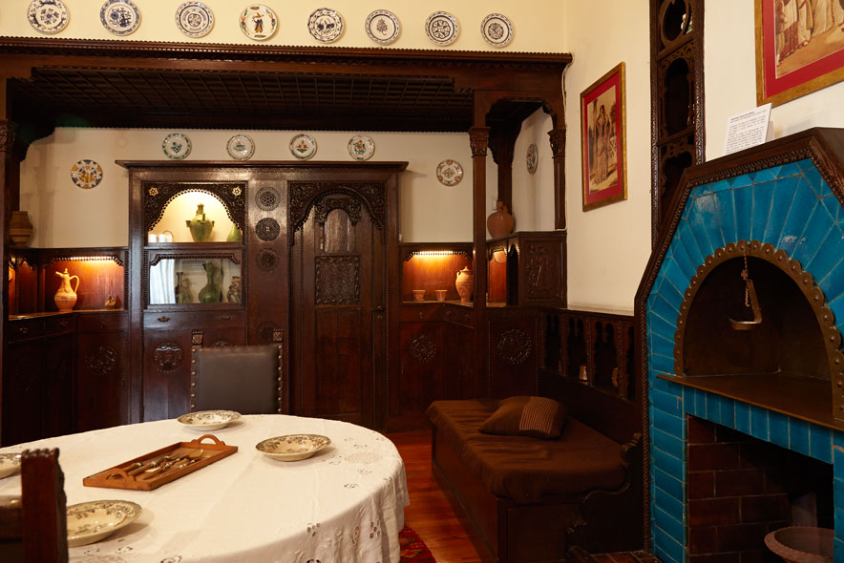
x=121 y=17
x=361 y=147
x=176 y=146
x=240 y=147
x=497 y=30
x=442 y=28
x=48 y=16
x=325 y=25
x=258 y=22
x=382 y=26
x=303 y=146
x=86 y=174
x=194 y=19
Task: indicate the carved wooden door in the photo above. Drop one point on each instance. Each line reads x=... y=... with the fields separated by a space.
x=339 y=291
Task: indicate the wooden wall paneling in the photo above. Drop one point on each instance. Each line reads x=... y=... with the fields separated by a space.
x=102 y=382
x=421 y=376
x=23 y=379
x=460 y=371
x=59 y=371
x=514 y=352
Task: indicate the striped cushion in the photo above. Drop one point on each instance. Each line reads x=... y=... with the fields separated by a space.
x=527 y=416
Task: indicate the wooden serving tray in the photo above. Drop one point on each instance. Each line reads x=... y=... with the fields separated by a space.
x=171 y=462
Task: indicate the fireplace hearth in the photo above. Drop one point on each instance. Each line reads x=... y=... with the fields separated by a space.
x=760 y=359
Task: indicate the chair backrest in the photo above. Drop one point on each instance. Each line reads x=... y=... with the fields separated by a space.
x=34 y=529
x=246 y=379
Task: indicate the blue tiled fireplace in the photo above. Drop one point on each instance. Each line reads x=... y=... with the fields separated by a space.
x=786 y=194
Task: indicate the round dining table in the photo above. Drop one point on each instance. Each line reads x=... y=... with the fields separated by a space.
x=344 y=504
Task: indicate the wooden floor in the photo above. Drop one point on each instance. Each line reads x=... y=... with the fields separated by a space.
x=429 y=512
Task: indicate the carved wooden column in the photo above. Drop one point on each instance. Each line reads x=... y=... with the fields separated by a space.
x=479 y=140
x=502 y=141
x=558 y=153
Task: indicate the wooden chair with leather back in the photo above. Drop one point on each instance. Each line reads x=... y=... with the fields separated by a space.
x=33 y=528
x=246 y=379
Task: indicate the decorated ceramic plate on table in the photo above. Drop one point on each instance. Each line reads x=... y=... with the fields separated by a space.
x=208 y=420
x=449 y=172
x=292 y=447
x=90 y=522
x=240 y=147
x=442 y=28
x=48 y=16
x=194 y=19
x=176 y=146
x=361 y=147
x=9 y=464
x=121 y=17
x=497 y=30
x=325 y=25
x=382 y=26
x=86 y=174
x=258 y=22
x=303 y=146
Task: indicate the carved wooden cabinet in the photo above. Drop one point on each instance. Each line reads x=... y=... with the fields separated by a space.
x=528 y=268
x=102 y=368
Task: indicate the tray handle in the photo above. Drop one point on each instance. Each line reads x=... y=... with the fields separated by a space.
x=199 y=440
x=115 y=473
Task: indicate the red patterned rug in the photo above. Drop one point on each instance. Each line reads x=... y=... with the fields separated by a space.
x=413 y=549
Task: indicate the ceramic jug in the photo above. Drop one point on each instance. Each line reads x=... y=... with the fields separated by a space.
x=65 y=297
x=200 y=227
x=500 y=223
x=211 y=293
x=465 y=283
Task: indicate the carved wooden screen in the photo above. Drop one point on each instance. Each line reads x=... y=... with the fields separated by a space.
x=676 y=98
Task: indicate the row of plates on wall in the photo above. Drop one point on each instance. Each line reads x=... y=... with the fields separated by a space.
x=259 y=22
x=87 y=173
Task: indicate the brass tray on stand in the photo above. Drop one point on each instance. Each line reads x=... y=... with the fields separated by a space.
x=162 y=466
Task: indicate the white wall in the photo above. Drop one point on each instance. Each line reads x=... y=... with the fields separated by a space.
x=533 y=194
x=730 y=70
x=608 y=247
x=99 y=216
x=536 y=24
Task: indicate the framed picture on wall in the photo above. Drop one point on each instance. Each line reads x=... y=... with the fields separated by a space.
x=799 y=48
x=603 y=140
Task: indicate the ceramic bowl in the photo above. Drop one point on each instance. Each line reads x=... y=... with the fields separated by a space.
x=292 y=447
x=90 y=522
x=208 y=420
x=9 y=464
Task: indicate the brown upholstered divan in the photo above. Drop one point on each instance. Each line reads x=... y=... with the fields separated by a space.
x=525 y=498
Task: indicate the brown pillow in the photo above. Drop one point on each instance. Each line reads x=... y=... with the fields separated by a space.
x=527 y=416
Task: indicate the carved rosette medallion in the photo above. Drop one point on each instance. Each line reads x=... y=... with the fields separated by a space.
x=328 y=204
x=267 y=229
x=514 y=346
x=558 y=142
x=479 y=140
x=422 y=348
x=266 y=259
x=168 y=356
x=267 y=198
x=337 y=280
x=102 y=361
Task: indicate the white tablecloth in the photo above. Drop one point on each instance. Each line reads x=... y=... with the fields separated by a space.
x=344 y=504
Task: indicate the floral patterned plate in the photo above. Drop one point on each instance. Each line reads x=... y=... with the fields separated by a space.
x=442 y=28
x=47 y=16
x=292 y=447
x=325 y=25
x=86 y=174
x=208 y=420
x=303 y=146
x=532 y=158
x=258 y=22
x=9 y=464
x=361 y=147
x=382 y=26
x=121 y=17
x=240 y=147
x=449 y=172
x=194 y=19
x=497 y=30
x=90 y=522
x=176 y=146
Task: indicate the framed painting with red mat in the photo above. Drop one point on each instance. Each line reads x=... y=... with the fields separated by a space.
x=413 y=549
